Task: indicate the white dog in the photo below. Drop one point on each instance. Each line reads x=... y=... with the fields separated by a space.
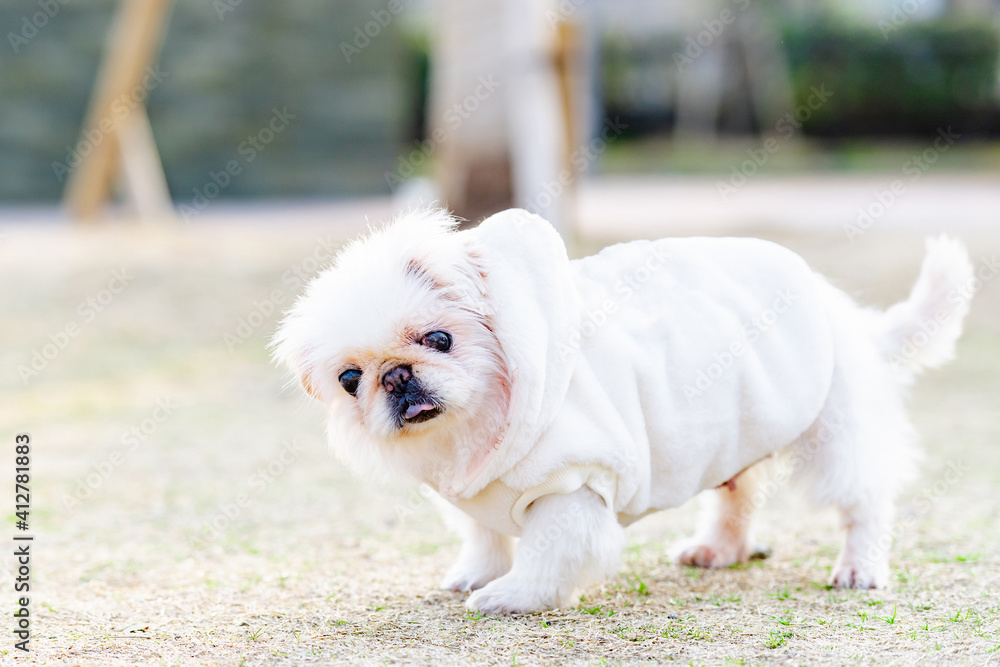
x=558 y=401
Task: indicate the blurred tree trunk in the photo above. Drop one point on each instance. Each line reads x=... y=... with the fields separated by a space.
x=502 y=108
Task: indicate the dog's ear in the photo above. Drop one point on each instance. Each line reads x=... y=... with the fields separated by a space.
x=307 y=377
x=289 y=352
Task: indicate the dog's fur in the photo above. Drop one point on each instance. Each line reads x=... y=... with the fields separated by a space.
x=371 y=311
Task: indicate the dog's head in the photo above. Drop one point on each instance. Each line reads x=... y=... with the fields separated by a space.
x=420 y=337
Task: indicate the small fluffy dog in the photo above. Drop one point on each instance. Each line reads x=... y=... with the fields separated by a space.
x=558 y=401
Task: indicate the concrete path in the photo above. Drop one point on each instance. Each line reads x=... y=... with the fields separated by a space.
x=654 y=206
x=649 y=206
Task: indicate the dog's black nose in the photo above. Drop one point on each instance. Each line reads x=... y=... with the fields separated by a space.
x=395 y=381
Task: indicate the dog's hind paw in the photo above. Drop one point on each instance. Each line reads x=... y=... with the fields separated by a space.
x=711 y=553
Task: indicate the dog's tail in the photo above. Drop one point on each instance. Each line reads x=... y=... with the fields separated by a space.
x=921 y=332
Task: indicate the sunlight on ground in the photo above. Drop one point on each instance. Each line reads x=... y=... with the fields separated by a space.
x=187 y=510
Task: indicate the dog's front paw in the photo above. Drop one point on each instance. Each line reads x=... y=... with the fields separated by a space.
x=864 y=575
x=711 y=553
x=511 y=596
x=464 y=577
x=475 y=568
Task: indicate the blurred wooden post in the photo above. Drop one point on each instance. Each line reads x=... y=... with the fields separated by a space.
x=505 y=106
x=565 y=61
x=467 y=115
x=535 y=109
x=123 y=145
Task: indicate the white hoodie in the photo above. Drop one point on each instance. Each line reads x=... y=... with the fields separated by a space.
x=629 y=364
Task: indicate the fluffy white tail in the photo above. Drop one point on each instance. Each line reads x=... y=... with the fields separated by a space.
x=921 y=332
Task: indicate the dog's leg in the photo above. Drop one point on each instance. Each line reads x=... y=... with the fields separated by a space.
x=857 y=460
x=568 y=541
x=485 y=554
x=862 y=482
x=725 y=527
x=864 y=559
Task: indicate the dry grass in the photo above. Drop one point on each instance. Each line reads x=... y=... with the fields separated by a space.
x=321 y=568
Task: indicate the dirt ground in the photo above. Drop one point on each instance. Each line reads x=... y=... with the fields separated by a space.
x=186 y=510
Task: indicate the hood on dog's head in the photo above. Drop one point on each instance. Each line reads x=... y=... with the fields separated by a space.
x=480 y=320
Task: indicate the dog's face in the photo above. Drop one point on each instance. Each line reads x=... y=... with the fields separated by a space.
x=396 y=340
x=410 y=360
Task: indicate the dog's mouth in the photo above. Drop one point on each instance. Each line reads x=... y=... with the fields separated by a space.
x=411 y=403
x=418 y=413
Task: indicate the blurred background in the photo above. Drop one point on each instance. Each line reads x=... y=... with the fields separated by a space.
x=689 y=113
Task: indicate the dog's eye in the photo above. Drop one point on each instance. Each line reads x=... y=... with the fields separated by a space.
x=349 y=380
x=437 y=340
